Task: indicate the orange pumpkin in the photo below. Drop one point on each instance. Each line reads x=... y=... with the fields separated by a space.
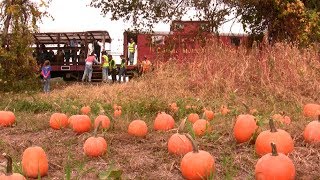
x=244 y=128
x=9 y=175
x=274 y=165
x=163 y=122
x=282 y=118
x=85 y=110
x=280 y=137
x=208 y=114
x=178 y=143
x=80 y=123
x=201 y=126
x=224 y=110
x=105 y=122
x=117 y=113
x=193 y=117
x=7 y=118
x=173 y=107
x=58 y=121
x=34 y=162
x=95 y=146
x=311 y=132
x=197 y=164
x=311 y=110
x=138 y=128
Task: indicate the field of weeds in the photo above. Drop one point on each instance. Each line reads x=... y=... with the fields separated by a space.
x=276 y=79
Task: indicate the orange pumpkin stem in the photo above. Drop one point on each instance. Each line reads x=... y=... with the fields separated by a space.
x=272 y=126
x=194 y=144
x=274 y=151
x=181 y=126
x=9 y=163
x=96 y=129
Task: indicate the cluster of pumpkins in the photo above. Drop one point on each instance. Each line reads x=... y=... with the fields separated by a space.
x=272 y=145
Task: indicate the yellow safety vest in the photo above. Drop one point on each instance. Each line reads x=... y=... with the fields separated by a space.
x=131 y=47
x=113 y=64
x=122 y=65
x=106 y=61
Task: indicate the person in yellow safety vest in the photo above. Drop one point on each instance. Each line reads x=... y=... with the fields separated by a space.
x=112 y=68
x=105 y=66
x=122 y=69
x=132 y=49
x=145 y=65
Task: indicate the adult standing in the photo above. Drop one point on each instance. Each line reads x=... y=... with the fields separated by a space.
x=132 y=50
x=88 y=67
x=113 y=68
x=122 y=69
x=105 y=66
x=97 y=48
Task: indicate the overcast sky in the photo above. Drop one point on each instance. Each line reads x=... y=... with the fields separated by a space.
x=76 y=15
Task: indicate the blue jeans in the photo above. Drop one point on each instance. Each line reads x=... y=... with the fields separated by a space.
x=46 y=86
x=131 y=57
x=87 y=72
x=105 y=73
x=122 y=72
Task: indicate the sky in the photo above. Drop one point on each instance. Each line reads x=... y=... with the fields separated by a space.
x=76 y=15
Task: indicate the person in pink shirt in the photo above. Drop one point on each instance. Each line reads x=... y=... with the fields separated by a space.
x=88 y=67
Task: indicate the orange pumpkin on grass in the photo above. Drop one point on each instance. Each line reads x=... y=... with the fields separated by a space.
x=193 y=117
x=138 y=128
x=311 y=133
x=117 y=113
x=197 y=164
x=178 y=143
x=201 y=126
x=173 y=107
x=85 y=110
x=34 y=162
x=95 y=146
x=9 y=175
x=280 y=137
x=80 y=123
x=7 y=118
x=224 y=110
x=208 y=114
x=275 y=165
x=58 y=121
x=311 y=110
x=163 y=122
x=244 y=128
x=105 y=122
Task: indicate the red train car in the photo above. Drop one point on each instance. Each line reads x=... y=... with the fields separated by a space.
x=184 y=40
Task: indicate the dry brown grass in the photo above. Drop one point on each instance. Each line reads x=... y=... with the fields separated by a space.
x=279 y=78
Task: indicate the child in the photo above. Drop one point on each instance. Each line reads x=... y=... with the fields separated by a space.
x=45 y=72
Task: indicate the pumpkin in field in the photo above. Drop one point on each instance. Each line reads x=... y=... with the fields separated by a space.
x=311 y=133
x=280 y=137
x=244 y=128
x=311 y=110
x=197 y=164
x=95 y=146
x=7 y=118
x=178 y=143
x=281 y=118
x=275 y=165
x=201 y=126
x=117 y=113
x=208 y=114
x=193 y=117
x=173 y=107
x=34 y=162
x=224 y=110
x=85 y=110
x=58 y=121
x=163 y=122
x=138 y=128
x=80 y=123
x=9 y=175
x=105 y=122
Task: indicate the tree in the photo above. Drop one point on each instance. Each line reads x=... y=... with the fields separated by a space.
x=17 y=65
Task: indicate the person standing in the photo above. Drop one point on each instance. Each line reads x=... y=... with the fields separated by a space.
x=122 y=69
x=113 y=68
x=88 y=67
x=46 y=73
x=105 y=66
x=131 y=49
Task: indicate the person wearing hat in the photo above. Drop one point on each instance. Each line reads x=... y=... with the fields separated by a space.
x=88 y=67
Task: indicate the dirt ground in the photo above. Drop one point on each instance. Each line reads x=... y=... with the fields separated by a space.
x=137 y=158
